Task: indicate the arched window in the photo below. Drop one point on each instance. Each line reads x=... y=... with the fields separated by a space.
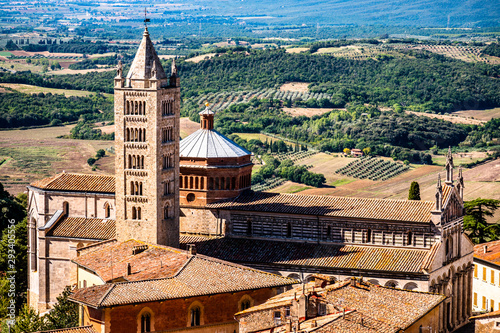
x=328 y=232
x=134 y=213
x=202 y=183
x=107 y=210
x=145 y=323
x=228 y=183
x=181 y=182
x=195 y=316
x=196 y=183
x=369 y=236
x=289 y=230
x=165 y=212
x=138 y=213
x=210 y=183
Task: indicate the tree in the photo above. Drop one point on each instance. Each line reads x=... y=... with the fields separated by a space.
x=347 y=151
x=91 y=161
x=28 y=321
x=414 y=193
x=367 y=151
x=11 y=208
x=475 y=224
x=100 y=153
x=64 y=314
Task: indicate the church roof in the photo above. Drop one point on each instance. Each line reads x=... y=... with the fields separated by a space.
x=210 y=144
x=260 y=252
x=489 y=252
x=360 y=208
x=80 y=227
x=186 y=276
x=78 y=183
x=146 y=63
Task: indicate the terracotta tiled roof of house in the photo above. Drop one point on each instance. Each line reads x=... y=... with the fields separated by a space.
x=80 y=227
x=366 y=297
x=78 y=183
x=180 y=275
x=332 y=256
x=111 y=261
x=360 y=208
x=81 y=329
x=381 y=309
x=487 y=315
x=491 y=254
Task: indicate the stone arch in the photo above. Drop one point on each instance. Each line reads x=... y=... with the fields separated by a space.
x=374 y=281
x=294 y=276
x=107 y=210
x=411 y=286
x=309 y=278
x=142 y=320
x=392 y=284
x=195 y=314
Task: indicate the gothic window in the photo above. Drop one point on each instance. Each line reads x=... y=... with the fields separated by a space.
x=107 y=210
x=134 y=213
x=245 y=305
x=139 y=213
x=140 y=188
x=145 y=323
x=142 y=162
x=195 y=316
x=165 y=212
x=143 y=108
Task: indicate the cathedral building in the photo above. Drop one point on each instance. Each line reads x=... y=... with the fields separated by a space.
x=197 y=191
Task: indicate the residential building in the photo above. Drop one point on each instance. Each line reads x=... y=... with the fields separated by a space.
x=486 y=284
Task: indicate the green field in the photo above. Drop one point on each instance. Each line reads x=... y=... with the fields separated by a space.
x=29 y=89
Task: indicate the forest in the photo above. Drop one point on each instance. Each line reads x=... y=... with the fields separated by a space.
x=18 y=109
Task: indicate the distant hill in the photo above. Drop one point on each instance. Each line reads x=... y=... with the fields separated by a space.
x=425 y=13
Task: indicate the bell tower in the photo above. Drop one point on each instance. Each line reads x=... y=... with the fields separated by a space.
x=147 y=106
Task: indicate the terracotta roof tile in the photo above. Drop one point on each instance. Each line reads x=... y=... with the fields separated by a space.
x=362 y=208
x=199 y=275
x=334 y=256
x=80 y=227
x=110 y=261
x=382 y=309
x=81 y=329
x=487 y=315
x=492 y=254
x=77 y=182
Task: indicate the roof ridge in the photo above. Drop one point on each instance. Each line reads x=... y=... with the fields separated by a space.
x=101 y=300
x=354 y=198
x=67 y=328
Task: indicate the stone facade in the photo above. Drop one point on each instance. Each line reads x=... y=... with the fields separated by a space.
x=49 y=257
x=147 y=109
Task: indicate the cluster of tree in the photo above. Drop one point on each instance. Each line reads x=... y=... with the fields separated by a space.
x=493 y=50
x=398 y=135
x=482 y=136
x=54 y=64
x=93 y=81
x=107 y=61
x=18 y=109
x=286 y=169
x=75 y=46
x=11 y=46
x=86 y=130
x=416 y=80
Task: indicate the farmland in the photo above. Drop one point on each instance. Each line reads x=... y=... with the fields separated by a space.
x=30 y=89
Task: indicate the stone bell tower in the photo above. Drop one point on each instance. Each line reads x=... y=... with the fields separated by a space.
x=147 y=106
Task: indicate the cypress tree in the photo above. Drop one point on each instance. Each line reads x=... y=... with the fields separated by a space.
x=414 y=193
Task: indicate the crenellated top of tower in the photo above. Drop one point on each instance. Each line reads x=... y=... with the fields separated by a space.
x=146 y=64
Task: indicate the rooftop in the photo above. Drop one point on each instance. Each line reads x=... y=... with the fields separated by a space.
x=492 y=253
x=369 y=308
x=78 y=183
x=146 y=64
x=161 y=273
x=210 y=144
x=80 y=227
x=360 y=208
x=326 y=256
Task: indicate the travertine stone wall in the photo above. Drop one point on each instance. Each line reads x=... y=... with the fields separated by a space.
x=145 y=211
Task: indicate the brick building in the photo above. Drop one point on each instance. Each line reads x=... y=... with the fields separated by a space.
x=347 y=306
x=134 y=286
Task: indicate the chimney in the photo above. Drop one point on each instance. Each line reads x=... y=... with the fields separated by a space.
x=485 y=248
x=129 y=269
x=192 y=249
